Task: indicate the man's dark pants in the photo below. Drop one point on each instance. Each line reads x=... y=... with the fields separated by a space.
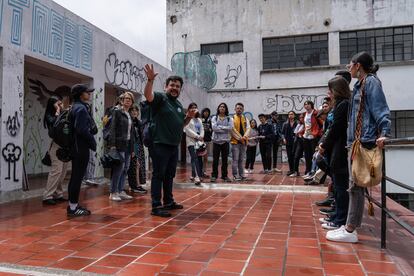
x=80 y=162
x=164 y=164
x=275 y=150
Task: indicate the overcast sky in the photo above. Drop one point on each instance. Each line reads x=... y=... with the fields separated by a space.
x=138 y=23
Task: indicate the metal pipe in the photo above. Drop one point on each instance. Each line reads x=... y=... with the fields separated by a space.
x=384 y=204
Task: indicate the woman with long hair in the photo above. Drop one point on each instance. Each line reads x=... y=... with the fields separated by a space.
x=208 y=131
x=222 y=124
x=334 y=142
x=288 y=133
x=251 y=146
x=298 y=145
x=375 y=127
x=194 y=131
x=53 y=192
x=138 y=158
x=122 y=140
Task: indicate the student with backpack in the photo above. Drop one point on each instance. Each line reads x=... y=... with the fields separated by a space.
x=81 y=127
x=222 y=126
x=53 y=192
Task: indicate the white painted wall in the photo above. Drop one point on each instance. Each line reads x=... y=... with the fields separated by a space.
x=214 y=21
x=45 y=31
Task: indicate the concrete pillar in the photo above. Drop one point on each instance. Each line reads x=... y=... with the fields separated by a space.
x=12 y=108
x=98 y=105
x=334 y=50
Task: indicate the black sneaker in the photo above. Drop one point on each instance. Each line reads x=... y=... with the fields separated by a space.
x=237 y=178
x=173 y=206
x=160 y=213
x=78 y=212
x=139 y=190
x=243 y=178
x=226 y=179
x=326 y=211
x=213 y=179
x=49 y=201
x=324 y=203
x=60 y=199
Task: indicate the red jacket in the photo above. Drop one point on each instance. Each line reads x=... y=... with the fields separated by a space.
x=316 y=124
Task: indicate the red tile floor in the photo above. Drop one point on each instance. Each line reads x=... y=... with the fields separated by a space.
x=217 y=233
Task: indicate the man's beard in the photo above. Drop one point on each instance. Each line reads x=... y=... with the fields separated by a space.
x=171 y=96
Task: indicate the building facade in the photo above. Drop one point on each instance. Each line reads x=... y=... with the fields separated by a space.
x=44 y=50
x=276 y=54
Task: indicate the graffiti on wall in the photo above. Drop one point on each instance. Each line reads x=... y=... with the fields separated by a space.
x=124 y=74
x=232 y=75
x=286 y=103
x=13 y=124
x=98 y=118
x=60 y=38
x=43 y=93
x=199 y=70
x=11 y=154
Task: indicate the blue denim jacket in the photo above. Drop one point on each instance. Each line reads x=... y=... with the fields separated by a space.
x=376 y=116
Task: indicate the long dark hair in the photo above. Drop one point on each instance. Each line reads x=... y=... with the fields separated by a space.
x=192 y=105
x=340 y=88
x=50 y=108
x=226 y=107
x=204 y=110
x=255 y=124
x=366 y=61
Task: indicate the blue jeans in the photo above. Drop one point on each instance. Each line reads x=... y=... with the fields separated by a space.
x=164 y=164
x=119 y=173
x=196 y=163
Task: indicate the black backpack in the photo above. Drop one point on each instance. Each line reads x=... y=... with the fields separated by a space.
x=146 y=123
x=62 y=130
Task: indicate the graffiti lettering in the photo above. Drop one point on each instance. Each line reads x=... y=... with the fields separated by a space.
x=13 y=125
x=124 y=74
x=232 y=75
x=284 y=104
x=11 y=154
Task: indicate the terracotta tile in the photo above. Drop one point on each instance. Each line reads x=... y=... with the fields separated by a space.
x=36 y=247
x=73 y=263
x=115 y=261
x=92 y=252
x=336 y=248
x=373 y=256
x=132 y=250
x=169 y=248
x=141 y=270
x=215 y=273
x=229 y=254
x=380 y=267
x=339 y=258
x=226 y=265
x=110 y=244
x=298 y=271
x=269 y=252
x=303 y=251
x=343 y=269
x=32 y=262
x=254 y=271
x=74 y=245
x=146 y=242
x=103 y=270
x=52 y=255
x=183 y=267
x=266 y=262
x=180 y=240
x=156 y=258
x=297 y=260
x=303 y=242
x=14 y=257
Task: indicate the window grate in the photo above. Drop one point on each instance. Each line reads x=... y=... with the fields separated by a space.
x=222 y=48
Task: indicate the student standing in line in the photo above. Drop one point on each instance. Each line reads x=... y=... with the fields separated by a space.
x=251 y=147
x=265 y=130
x=288 y=134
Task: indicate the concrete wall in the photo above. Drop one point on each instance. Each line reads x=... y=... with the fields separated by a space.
x=215 y=21
x=42 y=32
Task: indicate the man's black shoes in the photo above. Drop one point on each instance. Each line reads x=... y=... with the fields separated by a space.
x=49 y=201
x=325 y=202
x=160 y=212
x=78 y=212
x=173 y=206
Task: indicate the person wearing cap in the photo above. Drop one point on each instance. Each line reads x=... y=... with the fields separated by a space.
x=83 y=131
x=277 y=136
x=166 y=128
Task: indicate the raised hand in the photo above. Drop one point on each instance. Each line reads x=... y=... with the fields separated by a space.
x=149 y=71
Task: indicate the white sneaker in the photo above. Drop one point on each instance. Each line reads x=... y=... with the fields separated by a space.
x=246 y=171
x=115 y=197
x=293 y=174
x=323 y=220
x=341 y=235
x=197 y=180
x=251 y=171
x=124 y=195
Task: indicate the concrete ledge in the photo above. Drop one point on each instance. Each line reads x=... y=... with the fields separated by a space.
x=250 y=187
x=39 y=271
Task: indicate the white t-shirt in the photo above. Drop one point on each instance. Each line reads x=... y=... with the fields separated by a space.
x=308 y=126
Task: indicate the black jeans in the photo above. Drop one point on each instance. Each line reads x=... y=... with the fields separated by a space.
x=224 y=150
x=291 y=156
x=164 y=164
x=80 y=162
x=266 y=153
x=275 y=150
x=298 y=153
x=250 y=157
x=341 y=183
x=309 y=146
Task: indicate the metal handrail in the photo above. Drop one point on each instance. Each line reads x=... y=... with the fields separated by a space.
x=383 y=205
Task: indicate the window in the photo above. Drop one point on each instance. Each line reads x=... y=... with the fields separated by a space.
x=387 y=44
x=402 y=124
x=295 y=51
x=222 y=48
